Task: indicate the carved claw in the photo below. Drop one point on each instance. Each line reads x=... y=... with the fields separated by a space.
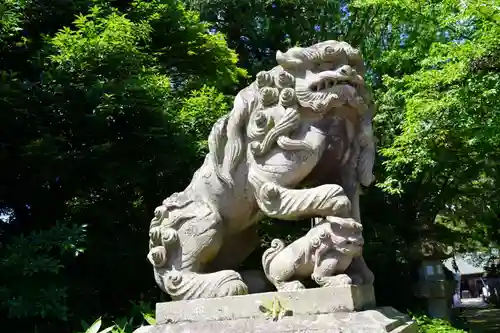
x=155 y=236
x=290 y=286
x=329 y=281
x=160 y=212
x=168 y=235
x=157 y=256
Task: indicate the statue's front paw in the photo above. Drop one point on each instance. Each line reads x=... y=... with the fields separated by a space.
x=157 y=256
x=290 y=286
x=155 y=236
x=330 y=281
x=341 y=280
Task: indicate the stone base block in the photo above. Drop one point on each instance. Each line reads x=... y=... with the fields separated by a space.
x=302 y=302
x=381 y=320
x=346 y=309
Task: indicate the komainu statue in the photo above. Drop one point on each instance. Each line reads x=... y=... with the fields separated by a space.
x=325 y=254
x=297 y=144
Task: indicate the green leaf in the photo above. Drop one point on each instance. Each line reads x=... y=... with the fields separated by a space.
x=109 y=329
x=94 y=328
x=149 y=319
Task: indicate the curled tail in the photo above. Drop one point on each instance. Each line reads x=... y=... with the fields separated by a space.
x=189 y=285
x=277 y=245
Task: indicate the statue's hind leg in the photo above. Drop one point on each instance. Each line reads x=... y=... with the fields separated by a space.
x=180 y=260
x=235 y=249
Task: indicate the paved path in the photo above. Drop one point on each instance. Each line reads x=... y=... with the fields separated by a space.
x=481 y=317
x=474 y=303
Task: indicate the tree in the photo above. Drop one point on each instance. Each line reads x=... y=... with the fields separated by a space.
x=93 y=137
x=104 y=113
x=257 y=29
x=445 y=127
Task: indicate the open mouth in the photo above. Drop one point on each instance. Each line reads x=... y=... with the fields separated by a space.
x=328 y=83
x=329 y=90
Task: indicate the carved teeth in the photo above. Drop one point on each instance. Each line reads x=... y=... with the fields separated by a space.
x=328 y=83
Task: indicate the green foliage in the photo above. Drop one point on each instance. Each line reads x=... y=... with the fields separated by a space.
x=274 y=309
x=92 y=136
x=28 y=271
x=257 y=29
x=94 y=328
x=105 y=108
x=10 y=19
x=122 y=325
x=200 y=110
x=444 y=120
x=429 y=325
x=199 y=53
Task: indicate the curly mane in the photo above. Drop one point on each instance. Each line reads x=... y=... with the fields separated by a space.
x=229 y=138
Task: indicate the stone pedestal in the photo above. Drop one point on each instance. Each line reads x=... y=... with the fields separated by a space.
x=438 y=296
x=346 y=309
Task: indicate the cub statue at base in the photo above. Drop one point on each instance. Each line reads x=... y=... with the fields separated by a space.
x=325 y=254
x=297 y=144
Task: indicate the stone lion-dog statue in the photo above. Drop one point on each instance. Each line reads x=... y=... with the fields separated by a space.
x=297 y=144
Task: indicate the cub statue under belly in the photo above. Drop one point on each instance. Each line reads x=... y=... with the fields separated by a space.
x=325 y=254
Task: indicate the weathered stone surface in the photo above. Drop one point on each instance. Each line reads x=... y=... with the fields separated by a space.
x=326 y=259
x=381 y=320
x=300 y=302
x=297 y=144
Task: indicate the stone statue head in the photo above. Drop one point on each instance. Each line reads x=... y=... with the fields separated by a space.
x=319 y=82
x=327 y=75
x=346 y=235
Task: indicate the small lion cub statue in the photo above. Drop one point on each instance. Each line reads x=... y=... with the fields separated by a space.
x=326 y=254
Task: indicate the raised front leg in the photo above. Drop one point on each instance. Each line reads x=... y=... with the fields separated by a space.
x=325 y=271
x=235 y=249
x=290 y=286
x=291 y=204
